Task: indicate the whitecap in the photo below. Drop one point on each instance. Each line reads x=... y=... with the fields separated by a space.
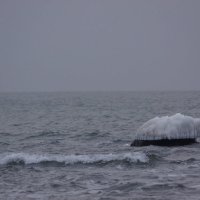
x=9 y=158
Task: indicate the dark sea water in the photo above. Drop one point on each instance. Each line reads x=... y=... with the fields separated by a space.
x=76 y=145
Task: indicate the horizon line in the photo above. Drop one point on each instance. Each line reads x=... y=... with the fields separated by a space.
x=66 y=91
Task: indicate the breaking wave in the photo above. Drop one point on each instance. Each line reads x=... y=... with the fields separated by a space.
x=24 y=158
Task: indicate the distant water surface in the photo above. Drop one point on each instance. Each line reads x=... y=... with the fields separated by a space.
x=76 y=145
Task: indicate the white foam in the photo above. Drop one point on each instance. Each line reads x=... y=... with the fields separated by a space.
x=7 y=158
x=169 y=127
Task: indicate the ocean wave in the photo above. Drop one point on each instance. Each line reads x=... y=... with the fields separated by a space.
x=45 y=134
x=25 y=158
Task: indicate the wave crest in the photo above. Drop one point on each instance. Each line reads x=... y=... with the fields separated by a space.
x=18 y=158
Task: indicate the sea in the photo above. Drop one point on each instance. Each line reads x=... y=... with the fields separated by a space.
x=76 y=146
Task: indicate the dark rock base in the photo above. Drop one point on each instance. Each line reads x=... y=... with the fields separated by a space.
x=163 y=142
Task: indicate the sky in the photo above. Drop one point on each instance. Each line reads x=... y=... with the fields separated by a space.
x=99 y=45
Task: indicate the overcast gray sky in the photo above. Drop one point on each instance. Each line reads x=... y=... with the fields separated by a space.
x=62 y=45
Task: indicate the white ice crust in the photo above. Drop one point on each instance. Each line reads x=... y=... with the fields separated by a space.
x=177 y=126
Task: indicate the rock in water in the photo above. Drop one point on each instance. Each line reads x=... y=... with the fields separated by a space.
x=173 y=130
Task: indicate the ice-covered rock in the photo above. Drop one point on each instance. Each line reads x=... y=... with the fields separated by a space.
x=170 y=130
